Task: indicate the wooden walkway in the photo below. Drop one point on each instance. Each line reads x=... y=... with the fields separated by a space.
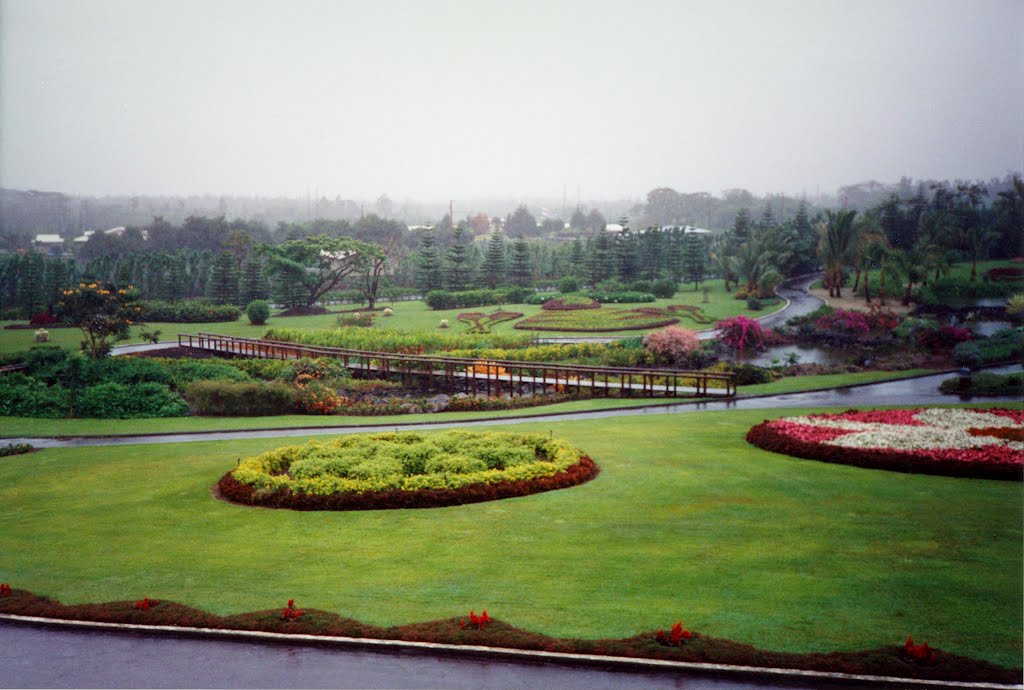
x=490 y=377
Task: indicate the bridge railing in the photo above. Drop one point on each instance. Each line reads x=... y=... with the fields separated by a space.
x=493 y=376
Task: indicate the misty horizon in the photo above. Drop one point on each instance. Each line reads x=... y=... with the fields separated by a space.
x=442 y=100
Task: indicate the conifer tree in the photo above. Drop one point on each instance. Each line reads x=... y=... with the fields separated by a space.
x=429 y=273
x=521 y=270
x=493 y=271
x=223 y=286
x=694 y=258
x=458 y=268
x=253 y=283
x=576 y=254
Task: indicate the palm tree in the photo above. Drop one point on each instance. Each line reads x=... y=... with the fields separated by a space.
x=836 y=240
x=758 y=267
x=723 y=261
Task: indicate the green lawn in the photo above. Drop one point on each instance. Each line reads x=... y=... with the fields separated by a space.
x=686 y=521
x=25 y=426
x=408 y=316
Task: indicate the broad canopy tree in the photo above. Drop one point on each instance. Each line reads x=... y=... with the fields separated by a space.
x=317 y=264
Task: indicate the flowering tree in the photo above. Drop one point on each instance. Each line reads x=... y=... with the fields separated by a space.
x=102 y=311
x=741 y=332
x=671 y=344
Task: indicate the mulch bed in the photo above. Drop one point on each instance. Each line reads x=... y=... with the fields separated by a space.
x=883 y=661
x=229 y=489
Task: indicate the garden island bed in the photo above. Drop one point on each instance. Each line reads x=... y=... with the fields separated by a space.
x=987 y=444
x=407 y=470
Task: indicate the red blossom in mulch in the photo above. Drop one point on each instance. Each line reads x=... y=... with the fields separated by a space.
x=677 y=635
x=919 y=653
x=290 y=613
x=476 y=622
x=145 y=604
x=5 y=589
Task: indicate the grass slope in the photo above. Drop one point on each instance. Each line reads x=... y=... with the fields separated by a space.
x=686 y=521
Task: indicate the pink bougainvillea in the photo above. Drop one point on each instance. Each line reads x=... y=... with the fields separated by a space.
x=741 y=333
x=840 y=321
x=671 y=344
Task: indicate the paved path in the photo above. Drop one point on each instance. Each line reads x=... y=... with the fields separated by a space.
x=56 y=658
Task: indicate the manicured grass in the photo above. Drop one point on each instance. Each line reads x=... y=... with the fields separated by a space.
x=686 y=521
x=411 y=316
x=26 y=426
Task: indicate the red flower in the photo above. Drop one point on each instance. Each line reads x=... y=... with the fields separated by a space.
x=145 y=604
x=290 y=612
x=660 y=635
x=5 y=589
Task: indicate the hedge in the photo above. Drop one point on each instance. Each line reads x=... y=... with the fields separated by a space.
x=187 y=311
x=444 y=299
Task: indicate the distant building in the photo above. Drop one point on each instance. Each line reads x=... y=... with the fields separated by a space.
x=51 y=245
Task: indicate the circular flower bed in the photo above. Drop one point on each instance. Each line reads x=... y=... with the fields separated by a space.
x=408 y=470
x=570 y=303
x=954 y=442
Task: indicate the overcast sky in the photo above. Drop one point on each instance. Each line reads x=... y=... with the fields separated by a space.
x=432 y=100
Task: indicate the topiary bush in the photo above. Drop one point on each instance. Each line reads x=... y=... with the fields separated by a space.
x=568 y=284
x=258 y=311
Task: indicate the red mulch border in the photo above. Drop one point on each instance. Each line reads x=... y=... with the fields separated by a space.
x=230 y=489
x=882 y=661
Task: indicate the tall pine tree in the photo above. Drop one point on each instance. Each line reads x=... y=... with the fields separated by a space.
x=458 y=267
x=429 y=274
x=521 y=270
x=493 y=271
x=223 y=287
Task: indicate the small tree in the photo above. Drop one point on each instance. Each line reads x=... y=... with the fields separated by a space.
x=313 y=266
x=522 y=271
x=102 y=311
x=695 y=256
x=223 y=285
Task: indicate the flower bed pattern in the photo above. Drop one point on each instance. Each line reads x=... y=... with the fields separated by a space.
x=408 y=470
x=598 y=320
x=951 y=442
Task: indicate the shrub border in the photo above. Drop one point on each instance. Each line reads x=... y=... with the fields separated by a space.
x=234 y=491
x=765 y=437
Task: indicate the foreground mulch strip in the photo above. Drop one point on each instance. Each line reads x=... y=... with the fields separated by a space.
x=882 y=661
x=230 y=489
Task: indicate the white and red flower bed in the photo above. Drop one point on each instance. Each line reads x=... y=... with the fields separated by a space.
x=956 y=442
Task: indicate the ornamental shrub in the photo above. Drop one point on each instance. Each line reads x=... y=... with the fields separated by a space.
x=846 y=322
x=186 y=311
x=224 y=399
x=621 y=297
x=671 y=345
x=258 y=311
x=568 y=284
x=741 y=333
x=942 y=338
x=542 y=297
x=640 y=286
x=1005 y=346
x=120 y=401
x=355 y=320
x=21 y=396
x=664 y=288
x=987 y=383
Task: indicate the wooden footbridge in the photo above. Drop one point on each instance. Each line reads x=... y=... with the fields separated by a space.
x=490 y=377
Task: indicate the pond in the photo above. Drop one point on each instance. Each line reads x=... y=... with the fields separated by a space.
x=808 y=354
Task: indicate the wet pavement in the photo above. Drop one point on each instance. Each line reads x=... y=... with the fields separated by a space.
x=38 y=657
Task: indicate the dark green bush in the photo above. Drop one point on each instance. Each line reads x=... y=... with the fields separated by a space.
x=568 y=284
x=641 y=286
x=623 y=297
x=987 y=383
x=185 y=371
x=258 y=311
x=664 y=288
x=754 y=303
x=1005 y=346
x=222 y=399
x=542 y=297
x=945 y=290
x=120 y=401
x=21 y=396
x=15 y=449
x=444 y=299
x=187 y=311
